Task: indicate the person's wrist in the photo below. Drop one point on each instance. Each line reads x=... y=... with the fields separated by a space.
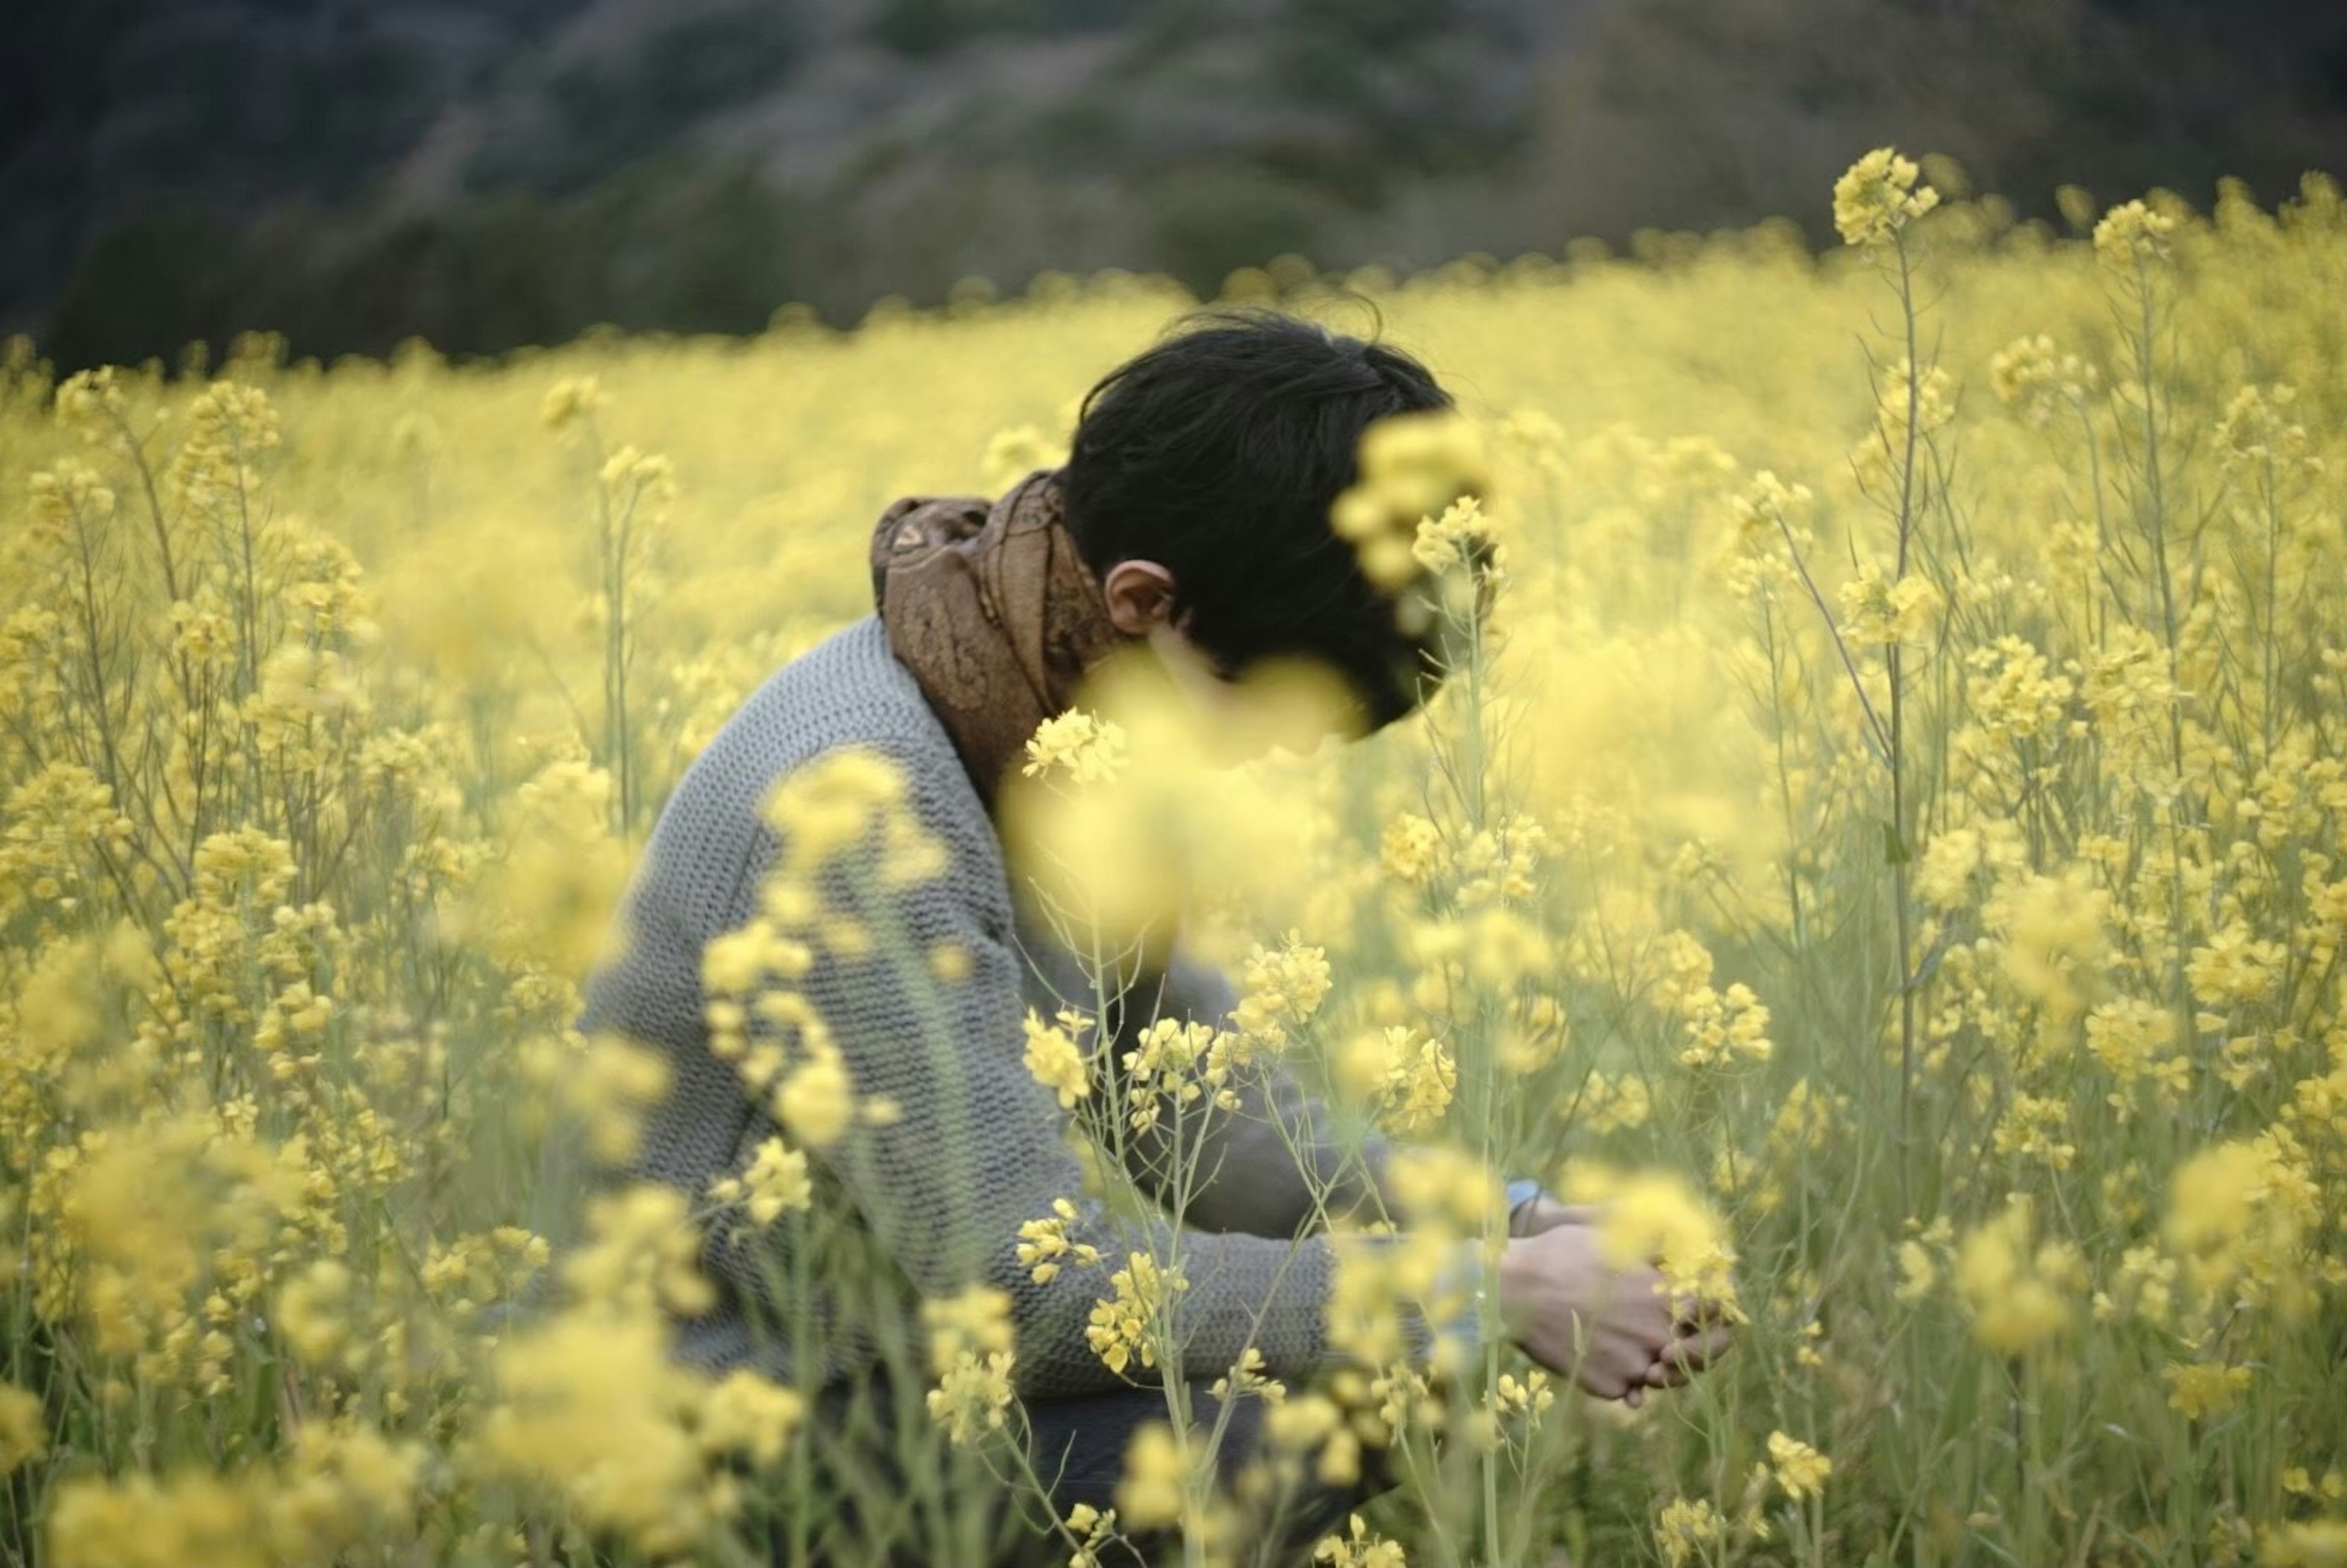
x=1523 y=1193
x=1511 y=1280
x=1459 y=1289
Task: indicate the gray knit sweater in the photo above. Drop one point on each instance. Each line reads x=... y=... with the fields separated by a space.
x=933 y=1201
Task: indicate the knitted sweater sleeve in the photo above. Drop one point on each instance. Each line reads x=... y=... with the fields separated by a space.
x=977 y=1146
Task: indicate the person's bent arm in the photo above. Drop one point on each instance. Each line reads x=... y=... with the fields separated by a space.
x=976 y=1146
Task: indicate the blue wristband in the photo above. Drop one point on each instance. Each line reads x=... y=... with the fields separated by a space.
x=1520 y=1193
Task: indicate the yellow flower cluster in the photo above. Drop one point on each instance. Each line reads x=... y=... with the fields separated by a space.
x=1083 y=747
x=1281 y=989
x=1044 y=1247
x=1878 y=196
x=774 y=1182
x=1398 y=516
x=971 y=1355
x=2020 y=1292
x=1129 y=1324
x=1054 y=1058
x=1799 y=1469
x=1359 y=1547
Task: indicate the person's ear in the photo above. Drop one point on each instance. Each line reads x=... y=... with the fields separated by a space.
x=1140 y=595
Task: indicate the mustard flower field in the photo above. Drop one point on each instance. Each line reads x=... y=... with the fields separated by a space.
x=1888 y=847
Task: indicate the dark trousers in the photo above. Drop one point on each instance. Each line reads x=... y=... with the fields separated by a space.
x=1076 y=1446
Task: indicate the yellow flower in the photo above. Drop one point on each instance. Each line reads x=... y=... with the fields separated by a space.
x=973 y=1395
x=2316 y=1543
x=1411 y=848
x=1093 y=1529
x=2034 y=1128
x=1412 y=466
x=2198 y=1388
x=313 y=1311
x=1149 y=1495
x=591 y=1406
x=2233 y=968
x=978 y=1320
x=1658 y=1217
x=1445 y=542
x=1042 y=1243
x=1360 y=1547
x=1687 y=1530
x=1055 y=1062
x=23 y=1431
x=1280 y=987
x=1800 y=1469
x=2132 y=234
x=1085 y=748
x=1724 y=1027
x=1124 y=1325
x=1875 y=612
x=817 y=1101
x=1918 y=1271
x=747 y=1414
x=2030 y=376
x=572 y=398
x=1877 y=195
x=2019 y=1293
x=776 y=1180
x=1417 y=1084
x=2237 y=1219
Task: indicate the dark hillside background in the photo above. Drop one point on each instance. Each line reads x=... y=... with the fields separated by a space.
x=488 y=174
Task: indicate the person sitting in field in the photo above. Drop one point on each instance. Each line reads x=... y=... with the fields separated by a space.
x=1191 y=520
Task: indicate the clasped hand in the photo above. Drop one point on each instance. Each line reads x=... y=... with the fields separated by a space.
x=1615 y=1331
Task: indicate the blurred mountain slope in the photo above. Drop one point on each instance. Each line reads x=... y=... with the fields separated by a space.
x=494 y=172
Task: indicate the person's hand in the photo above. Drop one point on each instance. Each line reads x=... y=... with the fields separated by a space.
x=1702 y=1334
x=1580 y=1316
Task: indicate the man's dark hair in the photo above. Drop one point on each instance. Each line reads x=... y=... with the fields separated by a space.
x=1218 y=452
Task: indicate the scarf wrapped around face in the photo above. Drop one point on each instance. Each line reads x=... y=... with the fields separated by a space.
x=993 y=610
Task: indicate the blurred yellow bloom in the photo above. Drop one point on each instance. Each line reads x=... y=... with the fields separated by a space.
x=746 y=1414
x=775 y=1182
x=815 y=1101
x=572 y=398
x=24 y=1427
x=1149 y=1496
x=1687 y=1530
x=2019 y=1291
x=1411 y=846
x=1658 y=1217
x=2314 y=1543
x=1053 y=1059
x=2198 y=1390
x=2237 y=1219
x=591 y=1405
x=973 y=1395
x=1360 y=1547
x=2131 y=234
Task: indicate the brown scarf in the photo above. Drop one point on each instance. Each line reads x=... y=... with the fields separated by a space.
x=991 y=608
